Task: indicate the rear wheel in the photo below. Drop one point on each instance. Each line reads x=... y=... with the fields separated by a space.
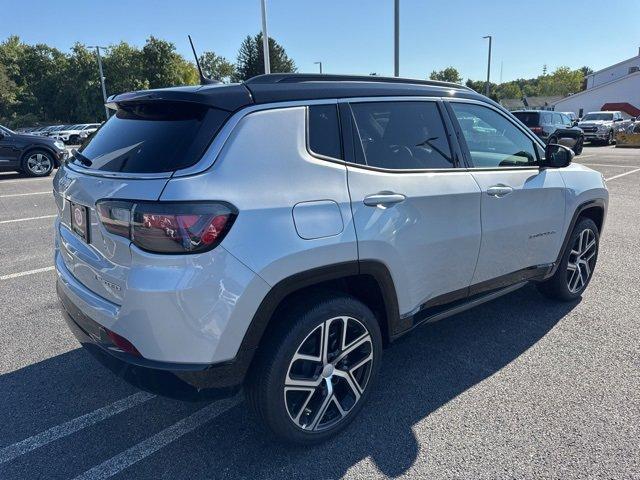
x=316 y=371
x=37 y=163
x=577 y=264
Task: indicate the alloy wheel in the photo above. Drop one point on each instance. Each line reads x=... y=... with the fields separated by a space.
x=328 y=374
x=39 y=163
x=582 y=260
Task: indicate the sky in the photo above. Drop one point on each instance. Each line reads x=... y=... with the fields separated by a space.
x=355 y=36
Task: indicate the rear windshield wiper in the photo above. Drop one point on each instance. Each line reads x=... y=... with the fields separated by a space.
x=82 y=159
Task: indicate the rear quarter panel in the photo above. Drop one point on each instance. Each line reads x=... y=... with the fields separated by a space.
x=582 y=185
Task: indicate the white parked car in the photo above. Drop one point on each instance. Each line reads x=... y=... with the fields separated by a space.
x=75 y=133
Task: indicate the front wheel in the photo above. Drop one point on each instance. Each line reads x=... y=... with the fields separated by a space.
x=610 y=138
x=37 y=163
x=316 y=371
x=577 y=149
x=577 y=264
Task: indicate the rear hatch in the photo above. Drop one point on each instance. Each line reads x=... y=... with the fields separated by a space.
x=131 y=157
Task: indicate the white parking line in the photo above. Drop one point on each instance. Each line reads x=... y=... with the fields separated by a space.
x=622 y=174
x=26 y=194
x=25 y=219
x=607 y=165
x=28 y=272
x=142 y=450
x=23 y=180
x=59 y=431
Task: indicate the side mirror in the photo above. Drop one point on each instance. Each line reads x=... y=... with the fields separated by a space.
x=575 y=123
x=557 y=156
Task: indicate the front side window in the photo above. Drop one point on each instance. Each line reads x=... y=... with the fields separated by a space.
x=324 y=131
x=401 y=135
x=493 y=141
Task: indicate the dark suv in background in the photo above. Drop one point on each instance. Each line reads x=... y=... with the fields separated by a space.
x=30 y=154
x=553 y=127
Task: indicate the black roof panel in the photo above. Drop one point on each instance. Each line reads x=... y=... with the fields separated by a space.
x=282 y=87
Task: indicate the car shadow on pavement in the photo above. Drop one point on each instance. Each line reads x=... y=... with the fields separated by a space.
x=420 y=373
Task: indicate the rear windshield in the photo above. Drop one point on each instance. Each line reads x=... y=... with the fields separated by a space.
x=151 y=137
x=530 y=119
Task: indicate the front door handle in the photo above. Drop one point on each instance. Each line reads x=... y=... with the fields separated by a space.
x=383 y=199
x=499 y=191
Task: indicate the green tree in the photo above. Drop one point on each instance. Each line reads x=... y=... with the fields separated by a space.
x=562 y=81
x=216 y=67
x=250 y=60
x=449 y=74
x=123 y=69
x=163 y=67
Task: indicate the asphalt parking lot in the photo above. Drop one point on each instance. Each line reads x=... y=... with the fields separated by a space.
x=518 y=388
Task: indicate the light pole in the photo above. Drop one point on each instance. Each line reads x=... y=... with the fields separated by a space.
x=265 y=37
x=320 y=64
x=104 y=90
x=486 y=87
x=396 y=38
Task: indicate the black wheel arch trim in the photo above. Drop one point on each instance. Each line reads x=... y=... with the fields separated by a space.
x=597 y=204
x=317 y=276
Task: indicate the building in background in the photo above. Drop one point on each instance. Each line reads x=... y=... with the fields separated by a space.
x=613 y=88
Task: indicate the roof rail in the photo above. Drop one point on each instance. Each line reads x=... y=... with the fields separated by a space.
x=272 y=78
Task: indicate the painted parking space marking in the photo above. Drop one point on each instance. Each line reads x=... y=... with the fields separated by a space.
x=28 y=272
x=147 y=447
x=622 y=175
x=26 y=194
x=26 y=219
x=65 y=429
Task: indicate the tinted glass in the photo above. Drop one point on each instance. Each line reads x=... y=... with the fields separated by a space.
x=402 y=135
x=598 y=116
x=530 y=119
x=493 y=140
x=324 y=131
x=151 y=137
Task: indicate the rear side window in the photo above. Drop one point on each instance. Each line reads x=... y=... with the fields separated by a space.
x=402 y=135
x=324 y=131
x=151 y=137
x=530 y=119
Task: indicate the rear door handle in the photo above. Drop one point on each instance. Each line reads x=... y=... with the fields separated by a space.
x=499 y=191
x=384 y=199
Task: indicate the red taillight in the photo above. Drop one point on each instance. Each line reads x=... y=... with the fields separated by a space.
x=168 y=227
x=122 y=343
x=537 y=130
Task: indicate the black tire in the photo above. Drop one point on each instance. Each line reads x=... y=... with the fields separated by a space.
x=298 y=327
x=37 y=163
x=577 y=149
x=73 y=140
x=558 y=286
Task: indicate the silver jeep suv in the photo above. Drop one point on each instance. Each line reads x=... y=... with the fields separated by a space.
x=276 y=234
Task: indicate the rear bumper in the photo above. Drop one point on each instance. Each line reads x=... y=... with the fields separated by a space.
x=178 y=380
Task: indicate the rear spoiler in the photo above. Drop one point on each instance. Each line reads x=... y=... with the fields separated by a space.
x=230 y=97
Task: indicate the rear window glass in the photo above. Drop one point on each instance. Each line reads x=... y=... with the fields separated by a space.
x=530 y=119
x=151 y=138
x=324 y=131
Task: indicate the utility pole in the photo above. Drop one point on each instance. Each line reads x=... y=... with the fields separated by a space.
x=486 y=88
x=319 y=63
x=396 y=38
x=104 y=90
x=265 y=38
